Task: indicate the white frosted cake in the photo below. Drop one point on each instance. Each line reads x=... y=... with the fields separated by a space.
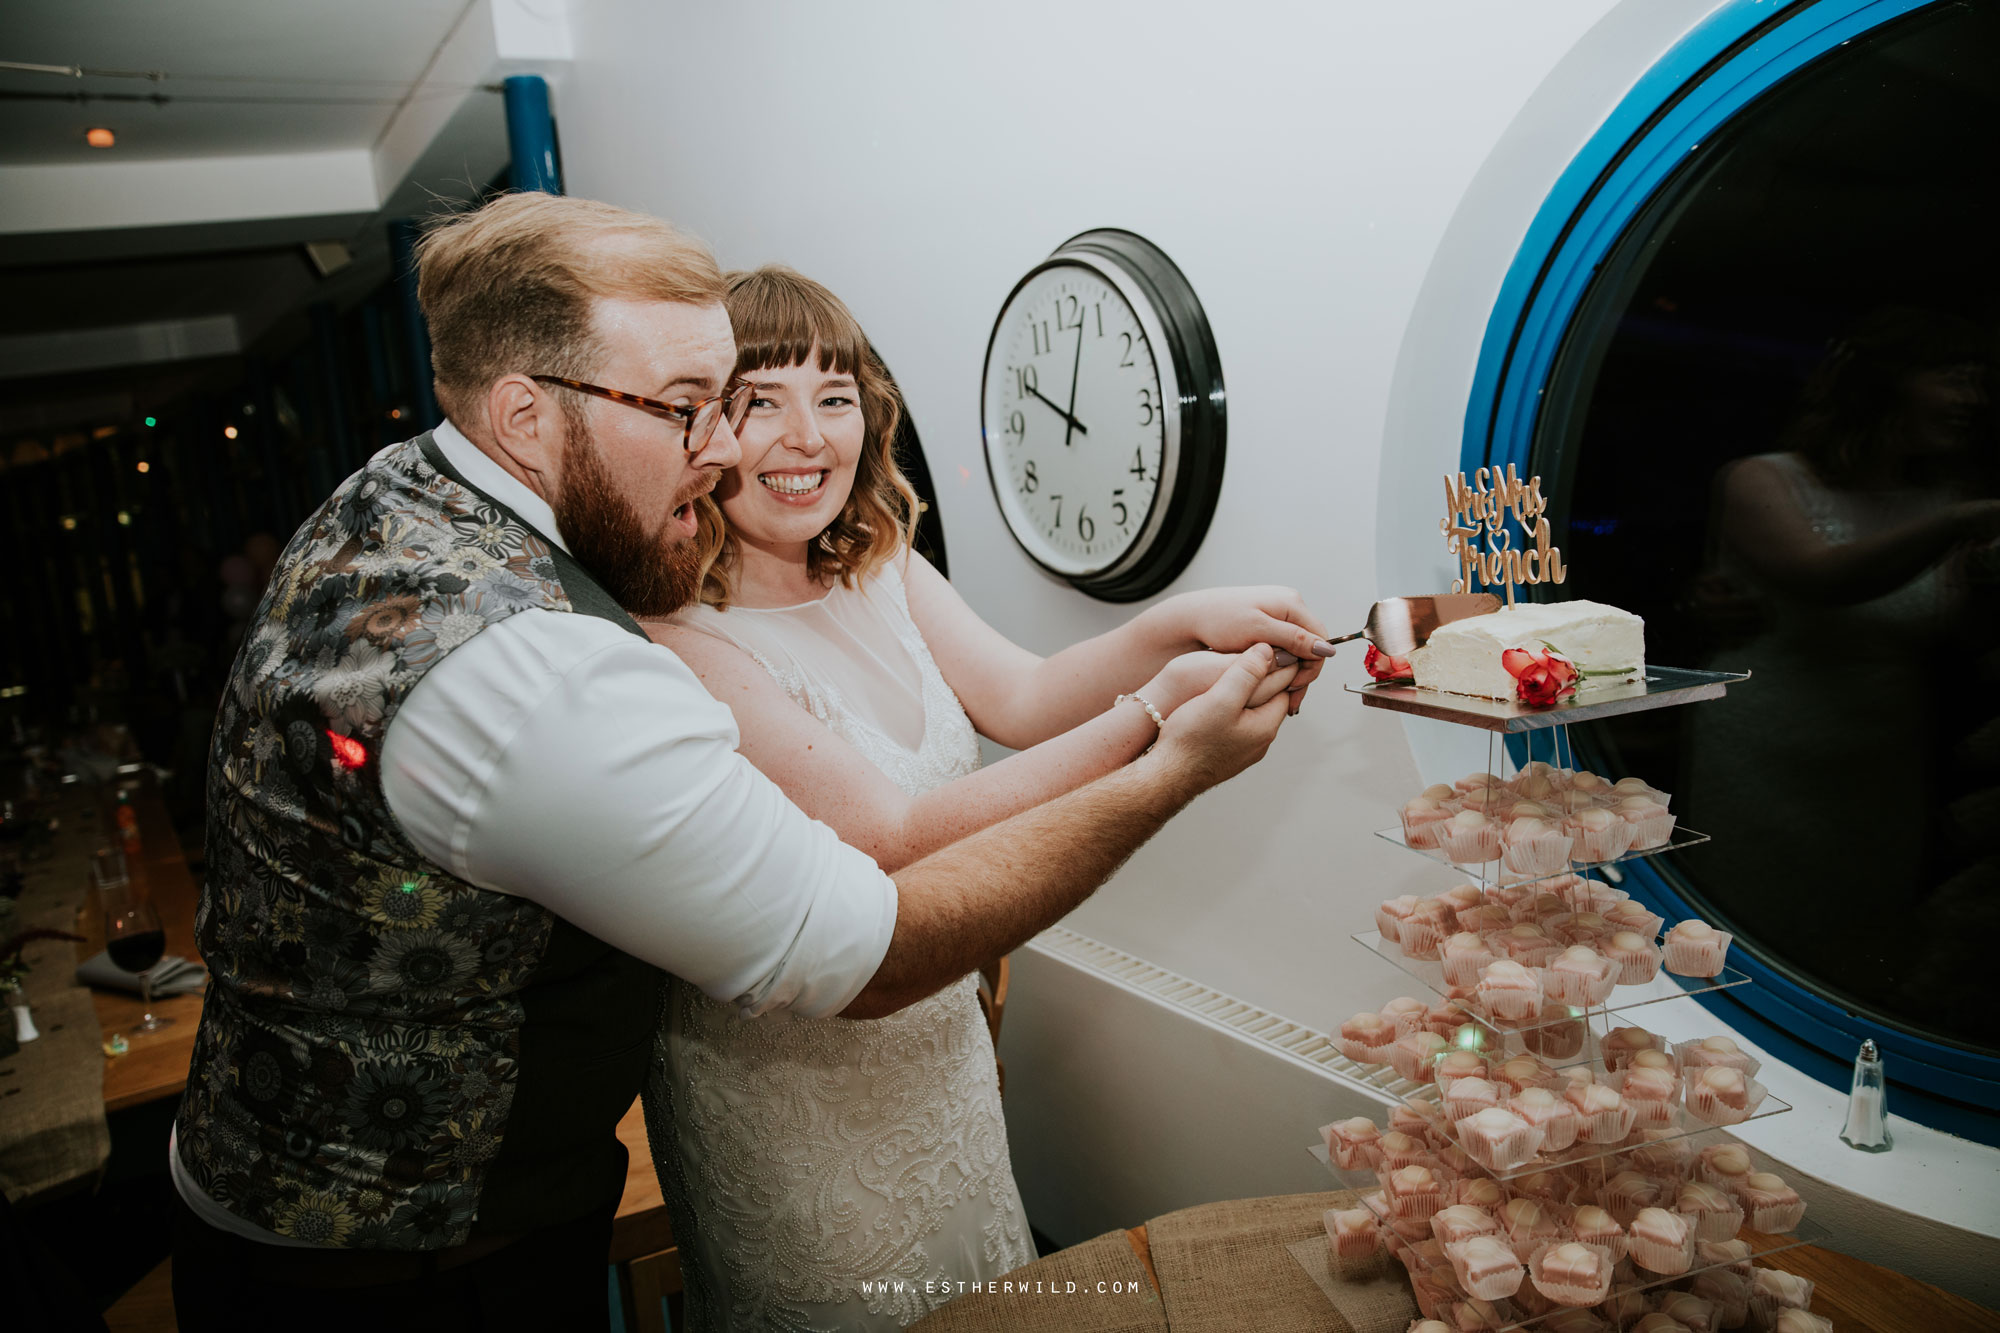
x=1607 y=645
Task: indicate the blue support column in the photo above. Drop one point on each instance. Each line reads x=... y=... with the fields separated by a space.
x=416 y=335
x=531 y=134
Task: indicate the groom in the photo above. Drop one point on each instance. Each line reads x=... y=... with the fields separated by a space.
x=463 y=814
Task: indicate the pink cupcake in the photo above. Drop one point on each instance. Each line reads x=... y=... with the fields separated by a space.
x=1477 y=781
x=1398 y=1148
x=1482 y=1192
x=1527 y=944
x=1660 y=1153
x=1584 y=928
x=1531 y=1222
x=1498 y=1139
x=1535 y=847
x=1423 y=1121
x=1629 y=1192
x=1601 y=1113
x=1467 y=1097
x=1723 y=1096
x=1414 y=1192
x=1652 y=825
x=1724 y=1165
x=1715 y=1051
x=1599 y=834
x=1351 y=1236
x=1536 y=784
x=1463 y=956
x=1389 y=914
x=1771 y=1204
x=1447 y=1017
x=1440 y=791
x=1572 y=1272
x=1421 y=817
x=1587 y=789
x=1487 y=1268
x=1731 y=1256
x=1625 y=914
x=1696 y=949
x=1469 y=838
x=1485 y=917
x=1494 y=802
x=1366 y=1039
x=1354 y=1145
x=1801 y=1321
x=1406 y=1014
x=1415 y=1056
x=1523 y=1072
x=1460 y=1222
x=1509 y=991
x=1660 y=1242
x=1626 y=788
x=1592 y=1225
x=1547 y=1112
x=1651 y=1093
x=1716 y=1216
x=1773 y=1291
x=1637 y=957
x=1455 y=1065
x=1621 y=1044
x=1580 y=976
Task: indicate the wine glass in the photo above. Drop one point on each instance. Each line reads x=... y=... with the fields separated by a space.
x=136 y=941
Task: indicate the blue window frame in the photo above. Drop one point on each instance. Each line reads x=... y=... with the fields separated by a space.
x=1735 y=56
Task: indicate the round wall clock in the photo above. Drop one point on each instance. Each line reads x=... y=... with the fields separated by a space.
x=1103 y=415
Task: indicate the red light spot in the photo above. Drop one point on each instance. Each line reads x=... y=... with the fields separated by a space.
x=347 y=752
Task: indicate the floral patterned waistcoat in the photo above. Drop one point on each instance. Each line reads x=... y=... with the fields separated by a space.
x=390 y=1057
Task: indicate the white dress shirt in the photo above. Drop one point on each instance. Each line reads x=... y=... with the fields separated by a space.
x=558 y=757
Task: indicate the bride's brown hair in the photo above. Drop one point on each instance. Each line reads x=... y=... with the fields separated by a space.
x=783 y=318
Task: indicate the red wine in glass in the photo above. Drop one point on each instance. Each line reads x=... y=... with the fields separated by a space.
x=135 y=940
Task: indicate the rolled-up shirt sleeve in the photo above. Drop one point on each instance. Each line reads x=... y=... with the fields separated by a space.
x=562 y=759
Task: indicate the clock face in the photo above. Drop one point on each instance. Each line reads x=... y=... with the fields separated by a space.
x=1081 y=417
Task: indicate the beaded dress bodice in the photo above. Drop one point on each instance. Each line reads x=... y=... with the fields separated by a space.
x=822 y=1172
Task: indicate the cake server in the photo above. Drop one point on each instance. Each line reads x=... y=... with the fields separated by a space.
x=1398 y=624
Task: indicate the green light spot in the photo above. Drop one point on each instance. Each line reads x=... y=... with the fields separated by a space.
x=152 y=421
x=409 y=886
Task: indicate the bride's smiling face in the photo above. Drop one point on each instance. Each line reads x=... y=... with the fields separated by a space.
x=801 y=443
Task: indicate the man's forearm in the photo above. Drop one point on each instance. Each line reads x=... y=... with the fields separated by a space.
x=986 y=895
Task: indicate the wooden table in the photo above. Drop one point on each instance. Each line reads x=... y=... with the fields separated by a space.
x=156 y=1066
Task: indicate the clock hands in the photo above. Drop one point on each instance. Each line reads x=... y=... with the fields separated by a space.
x=1057 y=409
x=1074 y=366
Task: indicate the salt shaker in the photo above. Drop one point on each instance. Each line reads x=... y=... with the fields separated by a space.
x=1868 y=1104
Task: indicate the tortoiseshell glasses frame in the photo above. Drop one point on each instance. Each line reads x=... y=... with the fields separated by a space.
x=698 y=420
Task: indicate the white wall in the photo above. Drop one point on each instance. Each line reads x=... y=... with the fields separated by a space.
x=1343 y=183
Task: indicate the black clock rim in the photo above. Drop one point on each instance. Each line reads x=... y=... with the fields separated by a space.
x=1197 y=366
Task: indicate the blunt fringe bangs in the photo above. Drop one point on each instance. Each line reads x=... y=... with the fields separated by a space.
x=782 y=319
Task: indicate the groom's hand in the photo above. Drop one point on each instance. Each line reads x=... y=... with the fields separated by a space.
x=1193 y=674
x=1213 y=737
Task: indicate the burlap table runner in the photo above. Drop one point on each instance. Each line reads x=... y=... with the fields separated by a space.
x=1098 y=1286
x=1225 y=1267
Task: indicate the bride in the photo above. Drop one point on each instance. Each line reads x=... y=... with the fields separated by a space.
x=837 y=1174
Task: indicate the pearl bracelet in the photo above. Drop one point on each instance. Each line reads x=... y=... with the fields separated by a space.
x=1151 y=711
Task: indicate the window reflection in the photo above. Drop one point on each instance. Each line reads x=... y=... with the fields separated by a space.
x=1774 y=418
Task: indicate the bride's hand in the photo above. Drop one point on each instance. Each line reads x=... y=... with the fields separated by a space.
x=1192 y=674
x=1231 y=620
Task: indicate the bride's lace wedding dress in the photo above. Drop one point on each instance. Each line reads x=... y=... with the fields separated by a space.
x=820 y=1173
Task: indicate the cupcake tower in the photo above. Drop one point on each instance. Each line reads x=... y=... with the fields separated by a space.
x=1548 y=1164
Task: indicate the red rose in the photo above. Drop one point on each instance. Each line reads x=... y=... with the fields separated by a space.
x=1384 y=667
x=1539 y=678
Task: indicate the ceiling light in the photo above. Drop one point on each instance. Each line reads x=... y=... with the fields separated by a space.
x=145 y=467
x=99 y=138
x=229 y=432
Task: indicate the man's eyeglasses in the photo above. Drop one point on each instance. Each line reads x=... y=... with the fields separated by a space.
x=698 y=420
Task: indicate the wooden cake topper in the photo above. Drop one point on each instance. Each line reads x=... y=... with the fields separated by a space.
x=1479 y=527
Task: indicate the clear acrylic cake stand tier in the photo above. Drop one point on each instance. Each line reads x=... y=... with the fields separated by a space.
x=1684 y=1125
x=1496 y=873
x=1513 y=1315
x=1663 y=687
x=1664 y=986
